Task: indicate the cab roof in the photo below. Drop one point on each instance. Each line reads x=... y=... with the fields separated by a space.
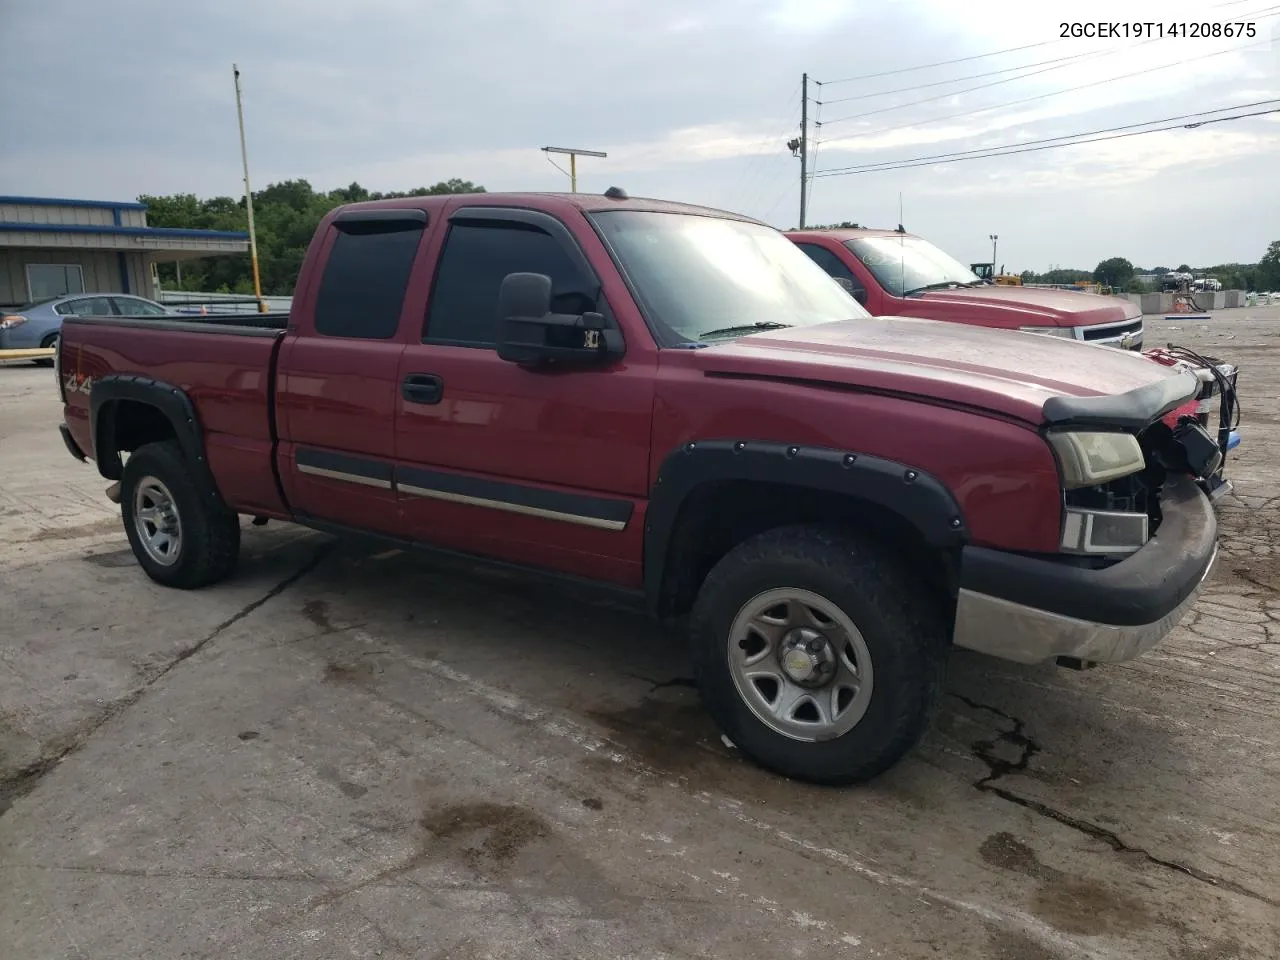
x=842 y=234
x=585 y=202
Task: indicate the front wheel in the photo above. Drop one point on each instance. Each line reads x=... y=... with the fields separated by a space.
x=817 y=655
x=181 y=533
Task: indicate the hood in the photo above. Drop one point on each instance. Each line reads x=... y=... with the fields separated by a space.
x=1002 y=371
x=1000 y=306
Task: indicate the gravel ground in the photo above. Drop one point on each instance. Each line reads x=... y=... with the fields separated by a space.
x=346 y=753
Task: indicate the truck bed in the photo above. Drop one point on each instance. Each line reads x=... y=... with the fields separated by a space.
x=224 y=362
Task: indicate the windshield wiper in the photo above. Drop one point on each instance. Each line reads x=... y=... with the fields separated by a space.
x=745 y=328
x=942 y=285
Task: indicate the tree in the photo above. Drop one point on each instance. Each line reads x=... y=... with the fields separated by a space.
x=1268 y=276
x=1184 y=269
x=285 y=214
x=1115 y=272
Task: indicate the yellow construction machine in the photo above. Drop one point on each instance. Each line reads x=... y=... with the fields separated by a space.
x=987 y=272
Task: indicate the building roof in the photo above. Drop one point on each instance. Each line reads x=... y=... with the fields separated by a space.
x=54 y=223
x=158 y=233
x=62 y=202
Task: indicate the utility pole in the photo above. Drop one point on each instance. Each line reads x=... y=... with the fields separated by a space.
x=994 y=269
x=804 y=144
x=248 y=198
x=573 y=153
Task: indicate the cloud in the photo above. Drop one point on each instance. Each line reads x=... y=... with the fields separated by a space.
x=690 y=103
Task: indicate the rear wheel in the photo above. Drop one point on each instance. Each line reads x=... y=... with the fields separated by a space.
x=817 y=655
x=181 y=533
x=48 y=343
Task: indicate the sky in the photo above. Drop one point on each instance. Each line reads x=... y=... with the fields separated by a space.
x=691 y=102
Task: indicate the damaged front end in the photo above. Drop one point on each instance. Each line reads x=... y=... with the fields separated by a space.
x=1217 y=393
x=1118 y=455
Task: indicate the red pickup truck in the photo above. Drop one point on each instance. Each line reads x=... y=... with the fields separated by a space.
x=898 y=274
x=673 y=401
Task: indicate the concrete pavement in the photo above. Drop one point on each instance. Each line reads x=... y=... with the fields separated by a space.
x=352 y=753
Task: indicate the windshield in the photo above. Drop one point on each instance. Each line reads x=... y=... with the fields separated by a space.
x=904 y=265
x=703 y=278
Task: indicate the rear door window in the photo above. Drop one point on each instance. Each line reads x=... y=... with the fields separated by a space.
x=88 y=307
x=362 y=288
x=133 y=307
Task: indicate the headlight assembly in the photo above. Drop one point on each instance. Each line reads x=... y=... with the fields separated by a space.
x=1090 y=458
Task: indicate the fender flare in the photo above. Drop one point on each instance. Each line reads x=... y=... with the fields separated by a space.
x=916 y=496
x=171 y=401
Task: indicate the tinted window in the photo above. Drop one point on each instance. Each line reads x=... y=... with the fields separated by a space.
x=133 y=307
x=89 y=307
x=829 y=262
x=476 y=257
x=362 y=289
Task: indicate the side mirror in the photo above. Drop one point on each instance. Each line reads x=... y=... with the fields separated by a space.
x=531 y=335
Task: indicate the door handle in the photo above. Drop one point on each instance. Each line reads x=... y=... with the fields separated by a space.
x=422 y=388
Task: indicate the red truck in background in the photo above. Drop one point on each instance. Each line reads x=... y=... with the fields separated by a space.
x=897 y=274
x=672 y=401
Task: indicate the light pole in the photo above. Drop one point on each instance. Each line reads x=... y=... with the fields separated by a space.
x=248 y=199
x=993 y=238
x=573 y=153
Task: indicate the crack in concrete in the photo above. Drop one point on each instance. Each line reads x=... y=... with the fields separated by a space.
x=656 y=685
x=144 y=873
x=22 y=781
x=998 y=767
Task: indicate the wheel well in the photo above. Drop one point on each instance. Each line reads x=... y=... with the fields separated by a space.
x=718 y=516
x=126 y=425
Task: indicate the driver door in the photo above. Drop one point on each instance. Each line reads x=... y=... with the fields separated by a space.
x=532 y=466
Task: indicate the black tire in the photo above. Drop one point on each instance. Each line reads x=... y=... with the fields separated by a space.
x=209 y=541
x=45 y=344
x=900 y=623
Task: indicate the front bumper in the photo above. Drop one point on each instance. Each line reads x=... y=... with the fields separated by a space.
x=1029 y=609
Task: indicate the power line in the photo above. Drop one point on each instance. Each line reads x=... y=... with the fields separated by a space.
x=808 y=186
x=1045 y=96
x=749 y=174
x=1011 y=149
x=1031 y=143
x=979 y=56
x=940 y=63
x=939 y=83
x=981 y=86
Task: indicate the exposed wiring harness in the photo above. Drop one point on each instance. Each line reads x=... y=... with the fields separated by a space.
x=1229 y=415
